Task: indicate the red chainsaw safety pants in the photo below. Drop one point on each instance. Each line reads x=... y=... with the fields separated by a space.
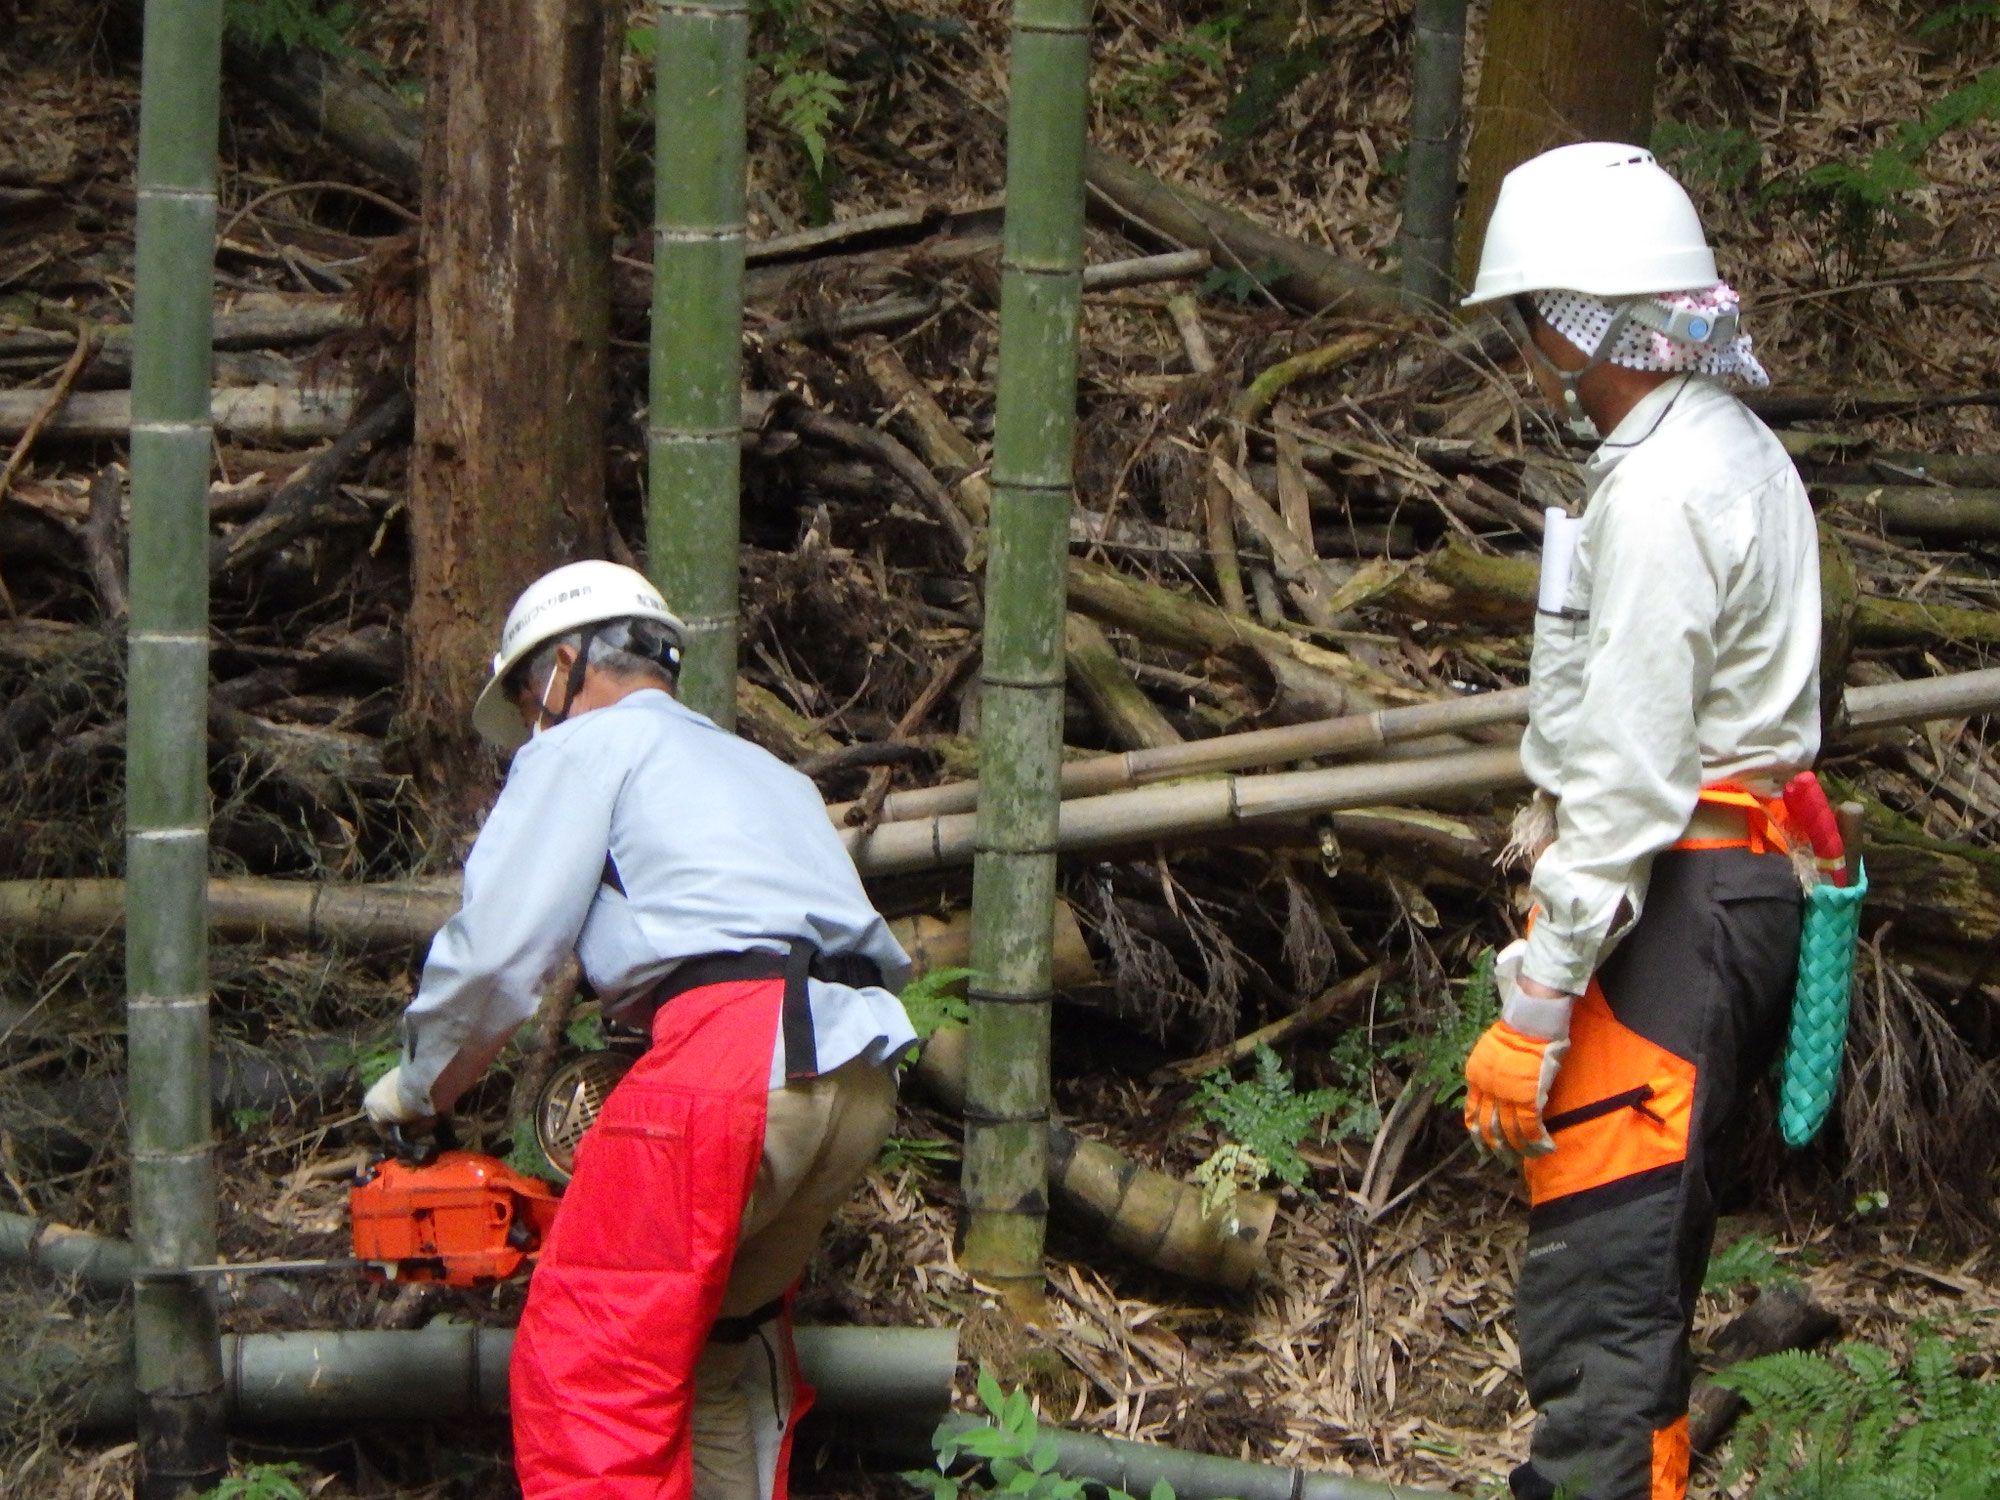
x=633 y=1274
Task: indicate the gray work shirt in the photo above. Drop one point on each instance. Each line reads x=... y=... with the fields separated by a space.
x=720 y=847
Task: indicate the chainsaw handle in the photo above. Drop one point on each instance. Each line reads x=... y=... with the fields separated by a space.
x=422 y=1150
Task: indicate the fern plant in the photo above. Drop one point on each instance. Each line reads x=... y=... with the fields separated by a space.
x=1263 y=1120
x=1011 y=1457
x=1857 y=1427
x=261 y=1482
x=935 y=999
x=286 y=26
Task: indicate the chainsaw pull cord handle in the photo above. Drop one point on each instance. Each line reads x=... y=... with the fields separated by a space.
x=422 y=1150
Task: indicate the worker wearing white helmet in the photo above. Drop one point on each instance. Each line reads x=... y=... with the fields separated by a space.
x=712 y=907
x=1674 y=690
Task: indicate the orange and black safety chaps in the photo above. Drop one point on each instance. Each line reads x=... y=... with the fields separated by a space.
x=1677 y=1026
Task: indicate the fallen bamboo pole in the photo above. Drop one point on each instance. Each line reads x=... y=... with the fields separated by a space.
x=244 y=907
x=1955 y=695
x=455 y=1370
x=267 y=414
x=1136 y=1468
x=1350 y=734
x=1137 y=817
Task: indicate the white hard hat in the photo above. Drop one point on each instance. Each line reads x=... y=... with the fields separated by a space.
x=573 y=596
x=1596 y=217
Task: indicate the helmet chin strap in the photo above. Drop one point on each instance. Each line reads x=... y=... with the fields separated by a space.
x=571 y=688
x=1577 y=419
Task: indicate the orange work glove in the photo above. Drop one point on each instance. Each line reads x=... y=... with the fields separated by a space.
x=1507 y=1080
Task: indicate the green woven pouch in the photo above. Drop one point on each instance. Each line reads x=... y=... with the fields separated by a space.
x=1819 y=1008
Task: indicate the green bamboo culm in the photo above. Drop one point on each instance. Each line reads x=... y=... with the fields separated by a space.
x=696 y=416
x=176 y=1351
x=1430 y=181
x=1021 y=673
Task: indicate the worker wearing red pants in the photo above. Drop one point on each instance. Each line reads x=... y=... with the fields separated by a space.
x=712 y=906
x=1674 y=690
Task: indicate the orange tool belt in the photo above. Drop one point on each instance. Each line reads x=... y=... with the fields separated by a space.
x=1766 y=826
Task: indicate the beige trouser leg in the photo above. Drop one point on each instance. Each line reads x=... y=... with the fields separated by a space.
x=820 y=1138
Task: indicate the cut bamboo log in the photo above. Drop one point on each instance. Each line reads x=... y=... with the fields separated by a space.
x=1225 y=803
x=249 y=908
x=456 y=1370
x=264 y=415
x=256 y=320
x=1150 y=1216
x=1459 y=585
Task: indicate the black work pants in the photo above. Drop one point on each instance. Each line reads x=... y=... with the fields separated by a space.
x=1691 y=1007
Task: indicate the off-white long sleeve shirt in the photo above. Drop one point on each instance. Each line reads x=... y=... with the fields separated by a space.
x=1687 y=654
x=720 y=848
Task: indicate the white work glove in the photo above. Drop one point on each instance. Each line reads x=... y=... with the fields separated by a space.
x=383 y=1103
x=1514 y=1065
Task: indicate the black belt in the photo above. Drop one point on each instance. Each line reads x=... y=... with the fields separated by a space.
x=802 y=962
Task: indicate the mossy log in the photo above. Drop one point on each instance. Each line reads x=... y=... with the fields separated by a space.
x=1928 y=511
x=1456 y=585
x=1187 y=624
x=1133 y=720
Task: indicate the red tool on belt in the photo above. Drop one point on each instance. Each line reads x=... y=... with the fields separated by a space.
x=456 y=1217
x=1812 y=815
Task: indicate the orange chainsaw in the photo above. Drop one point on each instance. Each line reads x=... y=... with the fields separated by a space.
x=455 y=1217
x=429 y=1212
x=433 y=1213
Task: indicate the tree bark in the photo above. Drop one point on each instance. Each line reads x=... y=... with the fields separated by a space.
x=507 y=471
x=1555 y=71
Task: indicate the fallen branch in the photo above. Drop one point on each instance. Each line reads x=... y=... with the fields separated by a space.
x=873 y=443
x=1251 y=403
x=49 y=405
x=1302 y=274
x=1777 y=407
x=1131 y=718
x=1778 y=1320
x=310 y=499
x=1312 y=1013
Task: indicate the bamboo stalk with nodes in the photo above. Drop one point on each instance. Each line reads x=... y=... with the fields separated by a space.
x=177 y=1353
x=695 y=420
x=1022 y=671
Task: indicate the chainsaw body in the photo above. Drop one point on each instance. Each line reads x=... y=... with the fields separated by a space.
x=461 y=1218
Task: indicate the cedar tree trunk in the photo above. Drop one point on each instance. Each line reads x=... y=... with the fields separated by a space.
x=507 y=472
x=1555 y=71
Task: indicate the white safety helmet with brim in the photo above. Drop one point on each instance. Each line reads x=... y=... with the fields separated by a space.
x=1602 y=218
x=573 y=597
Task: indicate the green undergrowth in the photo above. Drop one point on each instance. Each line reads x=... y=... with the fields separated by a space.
x=1855 y=1425
x=1009 y=1456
